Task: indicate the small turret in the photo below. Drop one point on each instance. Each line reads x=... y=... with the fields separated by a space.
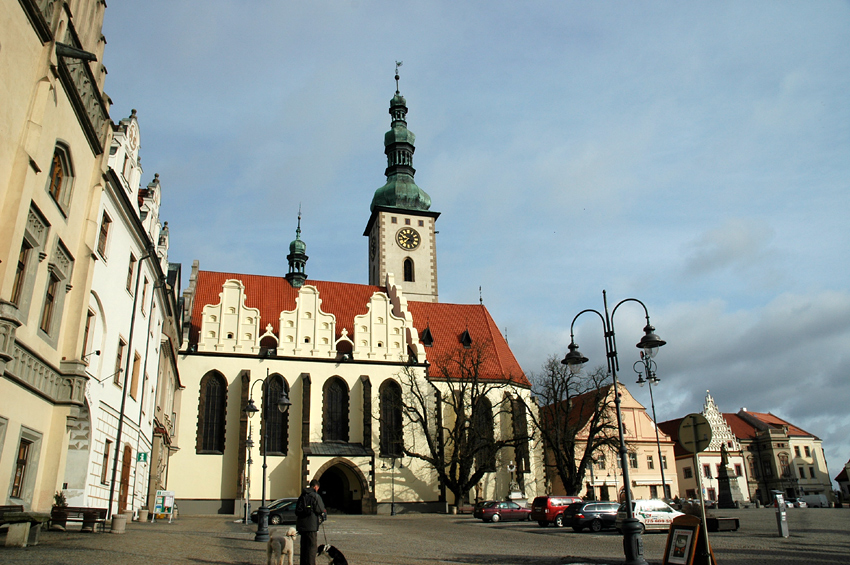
x=297 y=259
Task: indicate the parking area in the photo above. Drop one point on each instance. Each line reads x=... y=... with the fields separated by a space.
x=818 y=536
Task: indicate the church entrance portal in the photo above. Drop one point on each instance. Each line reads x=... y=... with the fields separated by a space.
x=341 y=490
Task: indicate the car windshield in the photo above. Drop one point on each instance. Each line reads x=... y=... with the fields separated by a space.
x=281 y=504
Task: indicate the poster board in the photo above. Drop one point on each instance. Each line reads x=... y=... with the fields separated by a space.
x=685 y=545
x=163 y=505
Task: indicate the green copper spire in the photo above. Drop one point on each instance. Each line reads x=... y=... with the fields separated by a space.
x=401 y=190
x=297 y=258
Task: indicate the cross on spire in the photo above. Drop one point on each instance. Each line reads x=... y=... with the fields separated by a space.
x=397 y=65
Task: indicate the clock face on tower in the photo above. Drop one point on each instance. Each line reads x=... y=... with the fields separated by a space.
x=407 y=238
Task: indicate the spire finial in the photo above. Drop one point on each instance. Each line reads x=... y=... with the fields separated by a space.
x=298 y=229
x=397 y=65
x=480 y=296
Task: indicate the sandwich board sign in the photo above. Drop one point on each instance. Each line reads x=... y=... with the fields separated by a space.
x=163 y=505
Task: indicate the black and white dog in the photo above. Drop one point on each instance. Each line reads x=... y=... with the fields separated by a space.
x=336 y=557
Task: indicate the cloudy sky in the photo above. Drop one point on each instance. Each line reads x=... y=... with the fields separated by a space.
x=693 y=155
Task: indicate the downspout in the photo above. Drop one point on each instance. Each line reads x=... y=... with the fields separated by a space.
x=118 y=448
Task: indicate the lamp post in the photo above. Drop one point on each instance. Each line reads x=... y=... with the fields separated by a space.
x=283 y=404
x=392 y=469
x=249 y=443
x=649 y=366
x=649 y=343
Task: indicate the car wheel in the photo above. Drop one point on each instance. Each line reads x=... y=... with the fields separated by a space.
x=596 y=526
x=495 y=518
x=274 y=519
x=559 y=521
x=577 y=529
x=542 y=523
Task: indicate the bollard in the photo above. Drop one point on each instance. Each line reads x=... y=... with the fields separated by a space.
x=119 y=523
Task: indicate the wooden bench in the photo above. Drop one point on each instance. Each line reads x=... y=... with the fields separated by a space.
x=90 y=517
x=23 y=527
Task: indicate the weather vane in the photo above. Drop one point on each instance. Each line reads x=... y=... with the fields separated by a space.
x=397 y=65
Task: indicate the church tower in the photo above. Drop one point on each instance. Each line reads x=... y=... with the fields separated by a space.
x=401 y=227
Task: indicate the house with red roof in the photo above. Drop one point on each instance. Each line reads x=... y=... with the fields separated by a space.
x=340 y=354
x=843 y=480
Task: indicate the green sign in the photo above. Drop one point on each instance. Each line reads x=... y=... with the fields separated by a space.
x=142 y=457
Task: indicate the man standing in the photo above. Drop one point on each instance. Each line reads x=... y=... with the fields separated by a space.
x=309 y=513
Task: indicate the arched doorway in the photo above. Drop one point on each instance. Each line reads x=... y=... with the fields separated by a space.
x=343 y=488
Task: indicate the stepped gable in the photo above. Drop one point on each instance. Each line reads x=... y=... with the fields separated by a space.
x=273 y=295
x=447 y=323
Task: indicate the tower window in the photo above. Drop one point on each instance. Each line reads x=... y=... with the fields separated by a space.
x=407 y=221
x=421 y=223
x=408 y=270
x=394 y=220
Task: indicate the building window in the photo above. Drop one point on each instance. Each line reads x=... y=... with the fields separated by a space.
x=276 y=422
x=706 y=471
x=653 y=491
x=21 y=468
x=49 y=304
x=768 y=468
x=59 y=180
x=105 y=222
x=421 y=223
x=119 y=361
x=482 y=424
x=650 y=464
x=753 y=468
x=797 y=450
x=664 y=463
x=600 y=463
x=711 y=493
x=407 y=221
x=520 y=418
x=212 y=406
x=86 y=353
x=104 y=466
x=144 y=294
x=130 y=271
x=20 y=273
x=808 y=453
x=391 y=424
x=408 y=270
x=134 y=382
x=802 y=472
x=811 y=472
x=688 y=473
x=633 y=461
x=784 y=467
x=335 y=422
x=738 y=470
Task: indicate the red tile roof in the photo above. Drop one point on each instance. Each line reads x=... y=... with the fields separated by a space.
x=842 y=476
x=777 y=422
x=272 y=295
x=740 y=427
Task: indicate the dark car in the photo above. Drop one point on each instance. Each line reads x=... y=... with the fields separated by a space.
x=593 y=515
x=281 y=511
x=480 y=506
x=500 y=511
x=550 y=509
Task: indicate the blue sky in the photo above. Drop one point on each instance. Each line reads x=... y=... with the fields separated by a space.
x=693 y=155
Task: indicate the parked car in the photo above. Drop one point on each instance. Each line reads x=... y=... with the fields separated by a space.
x=796 y=503
x=652 y=515
x=480 y=506
x=591 y=514
x=504 y=511
x=550 y=509
x=281 y=511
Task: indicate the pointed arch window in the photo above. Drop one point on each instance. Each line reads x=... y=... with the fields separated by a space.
x=520 y=424
x=392 y=438
x=276 y=422
x=482 y=424
x=60 y=177
x=212 y=409
x=335 y=412
x=408 y=270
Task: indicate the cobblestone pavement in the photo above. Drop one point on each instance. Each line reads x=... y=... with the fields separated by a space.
x=818 y=537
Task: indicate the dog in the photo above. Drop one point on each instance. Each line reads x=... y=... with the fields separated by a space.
x=281 y=547
x=336 y=557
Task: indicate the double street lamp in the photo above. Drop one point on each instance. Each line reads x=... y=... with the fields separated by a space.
x=649 y=366
x=649 y=343
x=283 y=404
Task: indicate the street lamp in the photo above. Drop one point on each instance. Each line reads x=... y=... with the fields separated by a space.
x=249 y=443
x=649 y=343
x=649 y=366
x=392 y=469
x=283 y=404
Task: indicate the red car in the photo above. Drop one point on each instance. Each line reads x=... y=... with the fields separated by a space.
x=504 y=511
x=550 y=509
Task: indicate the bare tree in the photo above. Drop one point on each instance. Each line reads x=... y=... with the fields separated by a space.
x=576 y=420
x=452 y=412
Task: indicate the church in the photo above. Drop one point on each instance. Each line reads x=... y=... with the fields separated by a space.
x=370 y=376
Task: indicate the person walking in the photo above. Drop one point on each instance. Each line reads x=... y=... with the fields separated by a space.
x=309 y=514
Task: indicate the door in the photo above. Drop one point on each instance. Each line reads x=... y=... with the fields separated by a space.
x=124 y=488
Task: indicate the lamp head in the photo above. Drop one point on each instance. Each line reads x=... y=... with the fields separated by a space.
x=283 y=403
x=251 y=409
x=650 y=342
x=641 y=381
x=574 y=359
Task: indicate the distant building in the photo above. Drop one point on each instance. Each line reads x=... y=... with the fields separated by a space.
x=339 y=351
x=708 y=463
x=843 y=480
x=604 y=476
x=780 y=457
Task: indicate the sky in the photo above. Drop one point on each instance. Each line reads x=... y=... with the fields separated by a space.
x=695 y=156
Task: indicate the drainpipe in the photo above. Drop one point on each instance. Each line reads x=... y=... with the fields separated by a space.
x=118 y=449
